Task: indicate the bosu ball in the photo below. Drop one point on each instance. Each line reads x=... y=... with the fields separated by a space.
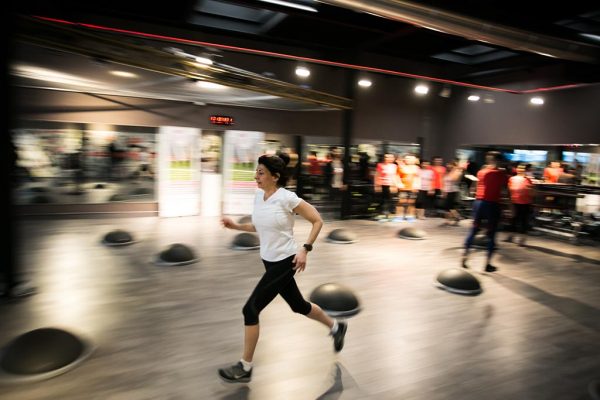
x=41 y=354
x=246 y=241
x=342 y=236
x=458 y=280
x=176 y=254
x=412 y=233
x=118 y=238
x=336 y=300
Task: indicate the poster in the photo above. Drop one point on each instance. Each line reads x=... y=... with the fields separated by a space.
x=242 y=149
x=179 y=171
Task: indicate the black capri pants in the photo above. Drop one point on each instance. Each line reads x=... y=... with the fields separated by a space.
x=278 y=279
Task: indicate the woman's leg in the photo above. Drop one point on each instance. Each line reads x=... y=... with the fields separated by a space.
x=251 y=333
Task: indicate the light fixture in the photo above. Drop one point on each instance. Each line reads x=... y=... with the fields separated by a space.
x=421 y=89
x=302 y=72
x=204 y=60
x=291 y=5
x=210 y=85
x=473 y=97
x=536 y=101
x=365 y=83
x=123 y=74
x=489 y=100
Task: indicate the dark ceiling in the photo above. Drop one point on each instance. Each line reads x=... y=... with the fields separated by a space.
x=523 y=45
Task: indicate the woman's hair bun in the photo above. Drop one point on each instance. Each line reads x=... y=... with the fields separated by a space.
x=284 y=157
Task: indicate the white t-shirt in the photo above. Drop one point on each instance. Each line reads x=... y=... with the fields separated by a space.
x=274 y=223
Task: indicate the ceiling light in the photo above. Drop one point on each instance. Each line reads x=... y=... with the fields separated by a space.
x=489 y=100
x=590 y=36
x=123 y=74
x=421 y=89
x=365 y=83
x=473 y=97
x=291 y=5
x=210 y=85
x=538 y=101
x=204 y=60
x=302 y=72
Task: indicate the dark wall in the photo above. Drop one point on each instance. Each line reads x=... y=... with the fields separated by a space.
x=567 y=116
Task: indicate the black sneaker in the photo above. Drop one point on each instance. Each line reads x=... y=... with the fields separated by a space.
x=490 y=268
x=235 y=373
x=338 y=337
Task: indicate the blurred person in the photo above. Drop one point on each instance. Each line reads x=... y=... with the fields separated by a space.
x=337 y=176
x=521 y=196
x=426 y=193
x=552 y=172
x=439 y=171
x=387 y=184
x=450 y=192
x=568 y=177
x=12 y=286
x=471 y=170
x=273 y=219
x=409 y=176
x=492 y=181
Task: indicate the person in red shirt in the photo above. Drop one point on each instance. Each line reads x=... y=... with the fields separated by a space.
x=521 y=196
x=492 y=181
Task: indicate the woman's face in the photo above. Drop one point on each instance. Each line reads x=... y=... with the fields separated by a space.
x=263 y=177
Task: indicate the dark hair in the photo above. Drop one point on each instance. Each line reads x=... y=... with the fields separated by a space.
x=276 y=166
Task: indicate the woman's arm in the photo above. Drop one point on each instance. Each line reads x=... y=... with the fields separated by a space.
x=228 y=223
x=308 y=212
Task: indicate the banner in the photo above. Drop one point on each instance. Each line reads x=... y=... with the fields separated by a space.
x=179 y=171
x=242 y=149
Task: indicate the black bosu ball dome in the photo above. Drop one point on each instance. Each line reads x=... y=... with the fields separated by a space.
x=118 y=238
x=41 y=354
x=412 y=233
x=458 y=280
x=336 y=300
x=176 y=254
x=342 y=236
x=246 y=241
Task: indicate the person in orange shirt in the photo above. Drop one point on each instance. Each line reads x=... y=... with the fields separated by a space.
x=552 y=172
x=439 y=171
x=521 y=196
x=409 y=176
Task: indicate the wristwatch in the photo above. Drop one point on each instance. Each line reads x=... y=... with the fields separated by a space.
x=307 y=246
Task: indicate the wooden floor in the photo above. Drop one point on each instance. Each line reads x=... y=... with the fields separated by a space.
x=162 y=332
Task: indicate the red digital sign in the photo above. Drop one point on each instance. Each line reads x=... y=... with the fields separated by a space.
x=221 y=120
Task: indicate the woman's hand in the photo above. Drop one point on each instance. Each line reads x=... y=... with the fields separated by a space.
x=228 y=223
x=300 y=261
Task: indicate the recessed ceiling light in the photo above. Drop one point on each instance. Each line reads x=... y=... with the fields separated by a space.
x=537 y=101
x=473 y=97
x=302 y=72
x=421 y=89
x=123 y=74
x=204 y=60
x=365 y=83
x=210 y=85
x=291 y=5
